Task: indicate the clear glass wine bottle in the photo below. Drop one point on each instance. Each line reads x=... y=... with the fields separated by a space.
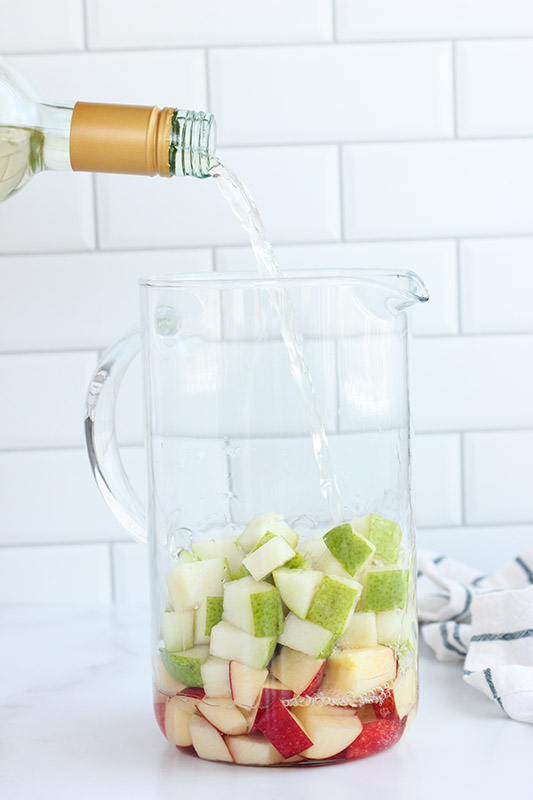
x=37 y=135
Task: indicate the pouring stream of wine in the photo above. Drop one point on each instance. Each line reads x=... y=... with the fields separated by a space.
x=245 y=209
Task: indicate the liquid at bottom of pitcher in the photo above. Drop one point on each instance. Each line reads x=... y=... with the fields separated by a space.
x=281 y=652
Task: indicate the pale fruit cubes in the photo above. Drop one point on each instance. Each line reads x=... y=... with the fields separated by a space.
x=277 y=650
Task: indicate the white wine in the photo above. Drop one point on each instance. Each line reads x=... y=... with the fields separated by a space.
x=20 y=158
x=37 y=135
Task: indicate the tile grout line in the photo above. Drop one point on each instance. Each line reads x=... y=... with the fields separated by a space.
x=459 y=288
x=334 y=21
x=462 y=469
x=433 y=239
x=95 y=213
x=454 y=90
x=85 y=15
x=112 y=573
x=207 y=78
x=341 y=193
x=117 y=50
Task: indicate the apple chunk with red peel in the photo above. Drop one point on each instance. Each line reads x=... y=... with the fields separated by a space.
x=177 y=723
x=245 y=683
x=223 y=714
x=253 y=749
x=283 y=730
x=375 y=737
x=274 y=690
x=207 y=741
x=298 y=671
x=331 y=734
x=159 y=711
x=189 y=697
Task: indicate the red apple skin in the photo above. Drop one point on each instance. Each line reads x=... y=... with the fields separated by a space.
x=191 y=691
x=282 y=730
x=386 y=709
x=315 y=683
x=159 y=711
x=269 y=695
x=374 y=738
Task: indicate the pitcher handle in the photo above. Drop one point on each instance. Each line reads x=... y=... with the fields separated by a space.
x=101 y=438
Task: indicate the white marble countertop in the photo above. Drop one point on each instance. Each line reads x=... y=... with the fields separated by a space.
x=77 y=722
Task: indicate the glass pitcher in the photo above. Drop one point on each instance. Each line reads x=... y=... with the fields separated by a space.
x=279 y=521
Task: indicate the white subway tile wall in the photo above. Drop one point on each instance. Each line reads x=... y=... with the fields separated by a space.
x=396 y=133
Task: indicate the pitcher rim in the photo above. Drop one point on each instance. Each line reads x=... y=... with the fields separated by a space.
x=413 y=290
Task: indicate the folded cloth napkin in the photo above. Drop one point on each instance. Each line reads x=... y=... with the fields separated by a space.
x=485 y=620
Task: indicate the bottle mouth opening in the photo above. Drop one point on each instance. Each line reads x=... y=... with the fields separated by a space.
x=192 y=143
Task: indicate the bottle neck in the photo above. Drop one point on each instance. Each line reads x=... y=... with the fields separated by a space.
x=141 y=140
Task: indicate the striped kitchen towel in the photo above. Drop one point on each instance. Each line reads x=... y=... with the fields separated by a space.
x=485 y=620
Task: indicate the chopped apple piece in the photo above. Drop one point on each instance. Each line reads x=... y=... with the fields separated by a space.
x=331 y=734
x=207 y=741
x=375 y=737
x=165 y=682
x=405 y=692
x=215 y=677
x=223 y=714
x=254 y=749
x=283 y=730
x=300 y=672
x=355 y=672
x=246 y=683
x=177 y=724
x=188 y=699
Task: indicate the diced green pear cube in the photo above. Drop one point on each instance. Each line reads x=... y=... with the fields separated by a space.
x=242 y=572
x=258 y=526
x=351 y=549
x=208 y=613
x=307 y=637
x=334 y=603
x=386 y=536
x=225 y=547
x=297 y=587
x=394 y=628
x=361 y=632
x=177 y=630
x=274 y=553
x=234 y=644
x=186 y=665
x=253 y=606
x=189 y=584
x=386 y=590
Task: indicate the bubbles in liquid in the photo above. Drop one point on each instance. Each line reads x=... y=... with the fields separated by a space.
x=167 y=322
x=178 y=539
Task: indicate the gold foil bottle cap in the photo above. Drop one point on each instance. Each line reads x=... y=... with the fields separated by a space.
x=131 y=140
